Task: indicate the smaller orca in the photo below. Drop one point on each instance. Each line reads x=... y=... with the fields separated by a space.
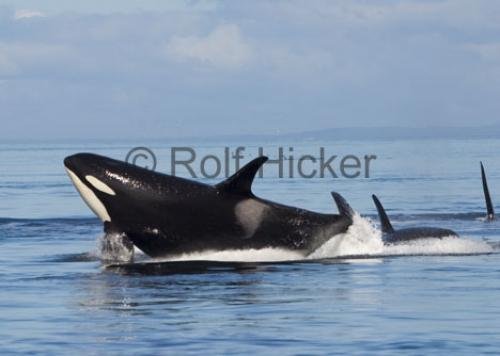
x=489 y=205
x=391 y=236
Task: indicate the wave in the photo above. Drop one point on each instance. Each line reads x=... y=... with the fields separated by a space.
x=51 y=221
x=470 y=216
x=362 y=241
x=76 y=257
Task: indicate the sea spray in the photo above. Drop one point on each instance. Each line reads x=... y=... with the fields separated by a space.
x=361 y=239
x=116 y=247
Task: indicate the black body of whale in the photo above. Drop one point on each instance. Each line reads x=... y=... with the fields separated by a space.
x=392 y=236
x=165 y=215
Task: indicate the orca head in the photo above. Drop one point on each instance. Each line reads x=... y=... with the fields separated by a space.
x=105 y=184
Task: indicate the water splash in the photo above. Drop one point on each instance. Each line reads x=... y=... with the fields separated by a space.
x=116 y=247
x=361 y=239
x=364 y=239
x=446 y=246
x=250 y=255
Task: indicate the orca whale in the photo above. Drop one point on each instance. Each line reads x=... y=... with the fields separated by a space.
x=164 y=215
x=391 y=236
x=489 y=205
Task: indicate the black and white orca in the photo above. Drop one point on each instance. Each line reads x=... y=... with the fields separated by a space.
x=164 y=215
x=490 y=211
x=391 y=236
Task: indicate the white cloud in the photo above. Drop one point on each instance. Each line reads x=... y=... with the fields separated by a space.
x=255 y=62
x=26 y=14
x=223 y=47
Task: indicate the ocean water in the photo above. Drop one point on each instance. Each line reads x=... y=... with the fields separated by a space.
x=352 y=296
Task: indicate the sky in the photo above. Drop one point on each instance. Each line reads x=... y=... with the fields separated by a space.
x=138 y=69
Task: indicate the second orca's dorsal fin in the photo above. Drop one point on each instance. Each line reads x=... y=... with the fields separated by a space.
x=487 y=197
x=241 y=181
x=385 y=223
x=343 y=206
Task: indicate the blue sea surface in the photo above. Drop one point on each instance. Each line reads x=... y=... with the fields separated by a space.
x=58 y=297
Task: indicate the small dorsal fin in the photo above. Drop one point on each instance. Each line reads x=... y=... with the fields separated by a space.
x=241 y=181
x=487 y=197
x=343 y=206
x=385 y=223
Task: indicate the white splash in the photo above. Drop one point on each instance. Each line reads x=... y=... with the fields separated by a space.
x=446 y=246
x=361 y=239
x=250 y=255
x=364 y=239
x=116 y=247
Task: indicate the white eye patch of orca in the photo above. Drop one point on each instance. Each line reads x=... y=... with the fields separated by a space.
x=89 y=197
x=97 y=184
x=250 y=213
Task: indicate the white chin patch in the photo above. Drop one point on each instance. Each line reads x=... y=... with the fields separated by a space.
x=99 y=185
x=89 y=197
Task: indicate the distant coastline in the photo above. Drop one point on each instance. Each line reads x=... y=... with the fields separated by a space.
x=372 y=133
x=327 y=134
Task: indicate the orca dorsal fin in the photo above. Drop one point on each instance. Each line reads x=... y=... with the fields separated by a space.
x=241 y=181
x=385 y=223
x=487 y=197
x=343 y=206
